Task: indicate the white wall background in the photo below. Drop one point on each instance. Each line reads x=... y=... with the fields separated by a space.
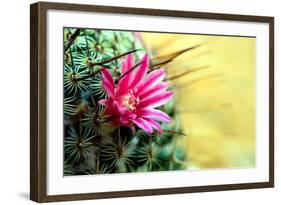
x=14 y=101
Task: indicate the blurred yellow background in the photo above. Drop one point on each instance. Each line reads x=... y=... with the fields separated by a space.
x=217 y=102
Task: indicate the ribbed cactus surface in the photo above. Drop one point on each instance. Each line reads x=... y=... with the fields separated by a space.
x=95 y=140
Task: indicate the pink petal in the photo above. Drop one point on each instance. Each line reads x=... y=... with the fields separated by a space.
x=108 y=82
x=109 y=88
x=103 y=102
x=156 y=101
x=125 y=114
x=154 y=114
x=154 y=124
x=106 y=75
x=124 y=83
x=140 y=71
x=112 y=110
x=152 y=79
x=127 y=64
x=143 y=124
x=156 y=90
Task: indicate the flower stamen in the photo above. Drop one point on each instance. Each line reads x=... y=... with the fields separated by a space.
x=130 y=100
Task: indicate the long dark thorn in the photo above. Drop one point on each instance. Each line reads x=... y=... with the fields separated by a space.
x=170 y=57
x=177 y=53
x=94 y=104
x=72 y=38
x=174 y=132
x=113 y=58
x=130 y=70
x=187 y=72
x=158 y=65
x=104 y=66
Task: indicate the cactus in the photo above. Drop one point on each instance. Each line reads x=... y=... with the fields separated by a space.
x=94 y=143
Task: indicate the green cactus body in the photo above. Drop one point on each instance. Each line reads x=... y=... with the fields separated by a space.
x=93 y=145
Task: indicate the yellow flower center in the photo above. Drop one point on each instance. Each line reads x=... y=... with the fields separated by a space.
x=130 y=100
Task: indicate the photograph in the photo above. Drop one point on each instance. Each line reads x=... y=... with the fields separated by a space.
x=147 y=101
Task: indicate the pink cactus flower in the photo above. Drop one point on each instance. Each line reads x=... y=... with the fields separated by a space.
x=134 y=99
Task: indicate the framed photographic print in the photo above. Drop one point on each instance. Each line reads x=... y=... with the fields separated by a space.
x=134 y=102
